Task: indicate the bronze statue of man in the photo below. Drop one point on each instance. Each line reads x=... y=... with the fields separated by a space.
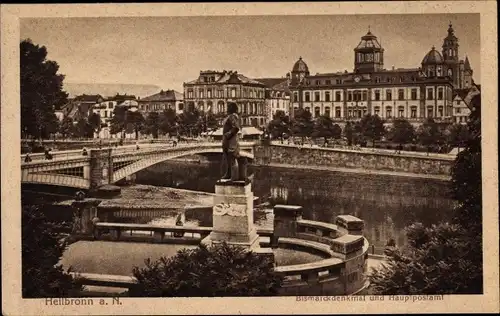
x=230 y=144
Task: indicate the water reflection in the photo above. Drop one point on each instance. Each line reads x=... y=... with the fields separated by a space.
x=386 y=203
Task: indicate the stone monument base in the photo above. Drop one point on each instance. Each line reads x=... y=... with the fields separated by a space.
x=233 y=217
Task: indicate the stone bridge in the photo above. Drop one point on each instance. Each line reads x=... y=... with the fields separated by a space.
x=108 y=165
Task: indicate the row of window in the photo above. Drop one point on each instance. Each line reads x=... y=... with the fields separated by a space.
x=369 y=57
x=229 y=92
x=359 y=113
x=431 y=72
x=377 y=79
x=159 y=107
x=363 y=95
x=253 y=121
x=246 y=108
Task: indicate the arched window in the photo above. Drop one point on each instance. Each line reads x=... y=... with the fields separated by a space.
x=388 y=112
x=220 y=107
x=316 y=111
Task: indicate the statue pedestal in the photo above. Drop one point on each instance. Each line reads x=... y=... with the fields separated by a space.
x=233 y=215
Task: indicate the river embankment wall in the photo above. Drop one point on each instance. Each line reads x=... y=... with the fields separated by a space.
x=362 y=161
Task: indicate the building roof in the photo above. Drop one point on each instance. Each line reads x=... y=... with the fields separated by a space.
x=300 y=66
x=88 y=98
x=229 y=77
x=164 y=96
x=369 y=41
x=271 y=82
x=467 y=64
x=129 y=103
x=77 y=109
x=462 y=93
x=451 y=33
x=433 y=57
x=121 y=97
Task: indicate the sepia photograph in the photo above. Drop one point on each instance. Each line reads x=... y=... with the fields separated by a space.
x=314 y=157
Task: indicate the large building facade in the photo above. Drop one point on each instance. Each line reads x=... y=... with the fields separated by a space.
x=213 y=89
x=414 y=94
x=159 y=102
x=277 y=96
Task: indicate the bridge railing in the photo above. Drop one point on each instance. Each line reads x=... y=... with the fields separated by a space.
x=56 y=155
x=141 y=148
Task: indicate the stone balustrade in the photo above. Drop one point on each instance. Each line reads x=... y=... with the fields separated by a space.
x=343 y=244
x=117 y=231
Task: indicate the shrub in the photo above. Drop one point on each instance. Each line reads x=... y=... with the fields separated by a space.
x=41 y=251
x=219 y=270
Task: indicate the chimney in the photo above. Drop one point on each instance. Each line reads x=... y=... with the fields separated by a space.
x=393 y=67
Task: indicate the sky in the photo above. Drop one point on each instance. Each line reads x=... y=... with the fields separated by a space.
x=167 y=51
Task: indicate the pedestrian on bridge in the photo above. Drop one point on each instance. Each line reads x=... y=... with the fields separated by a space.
x=27 y=158
x=48 y=155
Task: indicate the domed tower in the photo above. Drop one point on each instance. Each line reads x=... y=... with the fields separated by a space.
x=368 y=55
x=299 y=71
x=432 y=64
x=450 y=56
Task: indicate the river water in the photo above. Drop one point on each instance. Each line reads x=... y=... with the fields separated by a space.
x=387 y=204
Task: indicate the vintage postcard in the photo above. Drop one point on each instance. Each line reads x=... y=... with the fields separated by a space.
x=249 y=158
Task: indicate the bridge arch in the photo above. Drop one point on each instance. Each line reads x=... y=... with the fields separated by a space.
x=155 y=158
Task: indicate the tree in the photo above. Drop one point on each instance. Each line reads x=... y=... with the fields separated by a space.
x=457 y=135
x=152 y=124
x=336 y=131
x=189 y=122
x=435 y=261
x=402 y=132
x=66 y=128
x=372 y=127
x=94 y=121
x=429 y=133
x=466 y=180
x=168 y=122
x=42 y=250
x=83 y=129
x=302 y=124
x=118 y=121
x=211 y=121
x=41 y=91
x=349 y=133
x=323 y=127
x=444 y=258
x=219 y=270
x=279 y=125
x=136 y=121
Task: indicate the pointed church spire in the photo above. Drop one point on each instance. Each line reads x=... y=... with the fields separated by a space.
x=467 y=63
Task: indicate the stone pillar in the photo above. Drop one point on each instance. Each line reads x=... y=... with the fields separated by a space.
x=348 y=224
x=101 y=168
x=285 y=222
x=233 y=215
x=83 y=212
